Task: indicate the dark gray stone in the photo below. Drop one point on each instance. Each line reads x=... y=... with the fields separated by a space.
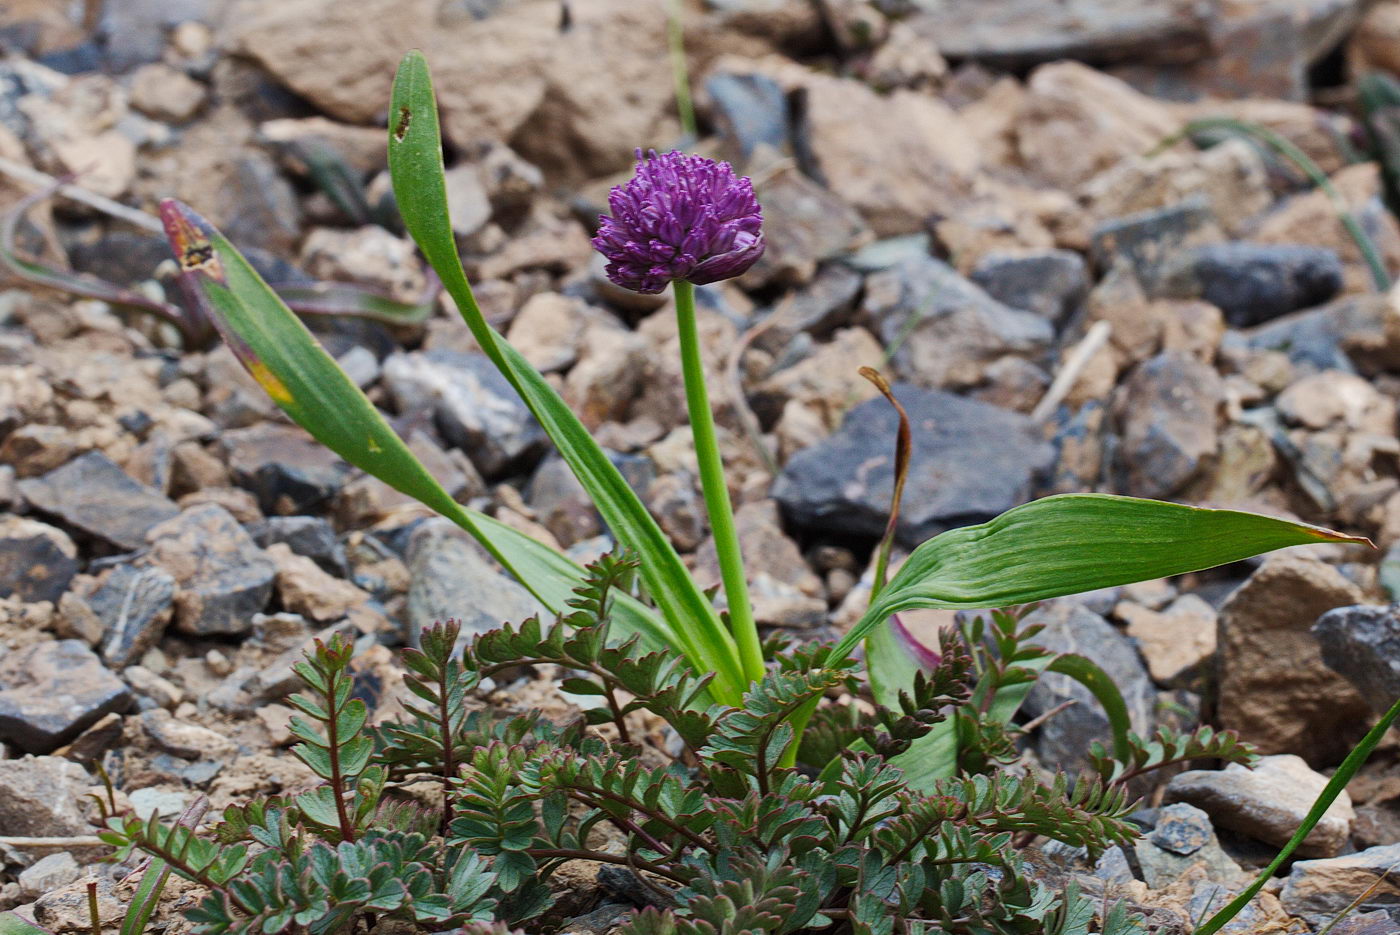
x=223 y=577
x=36 y=560
x=1051 y=283
x=1020 y=33
x=452 y=577
x=1252 y=283
x=1167 y=411
x=1363 y=643
x=260 y=205
x=1182 y=829
x=750 y=111
x=1070 y=627
x=1147 y=238
x=561 y=503
x=93 y=494
x=1348 y=334
x=288 y=470
x=943 y=329
x=310 y=536
x=474 y=406
x=818 y=308
x=971 y=461
x=134 y=605
x=52 y=691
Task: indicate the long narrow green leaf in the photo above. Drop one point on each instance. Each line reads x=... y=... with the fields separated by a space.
x=281 y=354
x=1339 y=781
x=1073 y=543
x=416 y=167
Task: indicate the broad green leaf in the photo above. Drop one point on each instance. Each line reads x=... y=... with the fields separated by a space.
x=416 y=167
x=1073 y=543
x=281 y=354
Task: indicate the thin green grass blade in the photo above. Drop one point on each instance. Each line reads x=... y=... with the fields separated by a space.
x=281 y=354
x=1073 y=543
x=416 y=167
x=1344 y=774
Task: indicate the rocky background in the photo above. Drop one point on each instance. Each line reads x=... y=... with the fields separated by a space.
x=959 y=194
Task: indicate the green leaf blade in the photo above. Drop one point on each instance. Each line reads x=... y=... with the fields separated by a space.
x=416 y=167
x=1073 y=543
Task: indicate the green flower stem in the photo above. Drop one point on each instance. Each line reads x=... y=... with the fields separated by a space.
x=716 y=490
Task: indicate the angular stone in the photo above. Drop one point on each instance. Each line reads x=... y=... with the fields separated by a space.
x=134 y=605
x=1363 y=644
x=946 y=329
x=1071 y=627
x=751 y=111
x=1182 y=839
x=784 y=590
x=311 y=536
x=40 y=797
x=223 y=577
x=47 y=874
x=817 y=308
x=93 y=494
x=453 y=578
x=562 y=504
x=1051 y=283
x=1146 y=239
x=286 y=468
x=970 y=462
x=1252 y=283
x=1268 y=802
x=52 y=691
x=804 y=224
x=306 y=589
x=1167 y=411
x=1273 y=686
x=474 y=406
x=36 y=560
x=183 y=739
x=1015 y=33
x=1319 y=890
x=1177 y=643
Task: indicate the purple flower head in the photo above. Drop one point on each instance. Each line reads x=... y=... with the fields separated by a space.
x=680 y=217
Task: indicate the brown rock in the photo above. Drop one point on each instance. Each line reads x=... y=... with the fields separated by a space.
x=307 y=590
x=783 y=589
x=1375 y=46
x=1176 y=642
x=369 y=255
x=548 y=330
x=827 y=382
x=1335 y=399
x=1274 y=688
x=40 y=797
x=1077 y=122
x=165 y=93
x=362 y=148
x=1322 y=890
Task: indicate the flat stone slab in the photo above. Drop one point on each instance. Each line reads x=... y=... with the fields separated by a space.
x=223 y=578
x=93 y=494
x=51 y=692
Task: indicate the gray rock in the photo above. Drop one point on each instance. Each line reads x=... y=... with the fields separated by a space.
x=47 y=874
x=1318 y=890
x=36 y=560
x=818 y=308
x=1167 y=411
x=945 y=330
x=311 y=536
x=1363 y=643
x=223 y=577
x=474 y=406
x=750 y=110
x=970 y=461
x=1072 y=628
x=1348 y=334
x=288 y=470
x=804 y=225
x=260 y=207
x=1182 y=839
x=134 y=605
x=52 y=691
x=1051 y=283
x=1252 y=283
x=561 y=503
x=1145 y=239
x=40 y=797
x=1268 y=802
x=1018 y=33
x=134 y=31
x=453 y=578
x=93 y=494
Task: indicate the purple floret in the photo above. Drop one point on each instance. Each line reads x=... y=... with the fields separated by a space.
x=680 y=218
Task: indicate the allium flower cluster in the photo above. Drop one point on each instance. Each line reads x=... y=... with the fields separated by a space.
x=680 y=218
